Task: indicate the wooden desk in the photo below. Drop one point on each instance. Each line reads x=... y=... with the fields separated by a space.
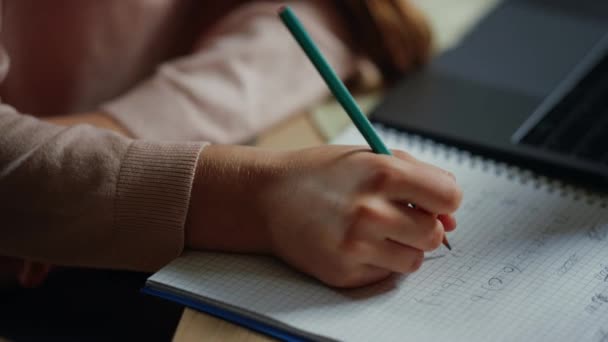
x=297 y=132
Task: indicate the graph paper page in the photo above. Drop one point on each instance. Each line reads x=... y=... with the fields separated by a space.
x=529 y=263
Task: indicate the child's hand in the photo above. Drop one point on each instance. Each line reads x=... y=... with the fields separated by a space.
x=338 y=213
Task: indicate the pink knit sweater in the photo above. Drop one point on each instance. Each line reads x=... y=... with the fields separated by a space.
x=171 y=75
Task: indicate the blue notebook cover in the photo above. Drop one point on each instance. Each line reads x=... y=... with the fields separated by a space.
x=227 y=315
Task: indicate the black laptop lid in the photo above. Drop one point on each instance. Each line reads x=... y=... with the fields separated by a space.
x=479 y=93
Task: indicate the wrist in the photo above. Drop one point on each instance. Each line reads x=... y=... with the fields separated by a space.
x=229 y=206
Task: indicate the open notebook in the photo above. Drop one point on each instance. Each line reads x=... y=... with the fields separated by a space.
x=530 y=263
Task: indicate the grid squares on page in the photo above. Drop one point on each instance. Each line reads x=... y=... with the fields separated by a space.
x=503 y=223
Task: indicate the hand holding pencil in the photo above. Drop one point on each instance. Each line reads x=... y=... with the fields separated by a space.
x=385 y=208
x=338 y=213
x=336 y=86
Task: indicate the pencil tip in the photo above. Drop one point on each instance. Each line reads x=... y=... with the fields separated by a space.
x=447 y=244
x=281 y=9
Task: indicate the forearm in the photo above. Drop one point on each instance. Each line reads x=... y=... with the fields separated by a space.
x=247 y=76
x=83 y=196
x=226 y=172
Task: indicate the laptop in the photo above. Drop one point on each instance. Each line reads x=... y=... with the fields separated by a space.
x=527 y=85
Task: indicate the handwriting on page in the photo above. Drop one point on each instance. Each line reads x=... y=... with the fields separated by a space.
x=510 y=269
x=517 y=253
x=599 y=299
x=529 y=261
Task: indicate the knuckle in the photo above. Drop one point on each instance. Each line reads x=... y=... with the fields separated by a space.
x=381 y=175
x=362 y=213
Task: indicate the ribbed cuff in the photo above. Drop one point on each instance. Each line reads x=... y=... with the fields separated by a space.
x=151 y=203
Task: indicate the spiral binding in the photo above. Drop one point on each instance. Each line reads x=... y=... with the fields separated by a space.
x=500 y=169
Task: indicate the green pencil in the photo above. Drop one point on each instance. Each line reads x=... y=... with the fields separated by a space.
x=336 y=85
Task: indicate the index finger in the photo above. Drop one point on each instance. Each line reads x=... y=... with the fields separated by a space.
x=423 y=185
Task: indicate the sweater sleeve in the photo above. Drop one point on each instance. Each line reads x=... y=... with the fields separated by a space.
x=82 y=196
x=243 y=77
